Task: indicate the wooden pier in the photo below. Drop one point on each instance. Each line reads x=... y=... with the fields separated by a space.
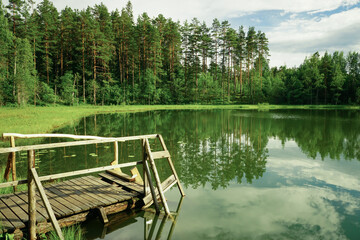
x=55 y=205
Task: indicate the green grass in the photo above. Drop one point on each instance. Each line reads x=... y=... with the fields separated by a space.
x=8 y=190
x=45 y=119
x=74 y=233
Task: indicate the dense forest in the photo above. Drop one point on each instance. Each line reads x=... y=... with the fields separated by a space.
x=95 y=56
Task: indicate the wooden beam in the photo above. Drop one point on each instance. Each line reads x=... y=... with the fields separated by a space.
x=166 y=185
x=73 y=173
x=13 y=161
x=103 y=216
x=77 y=143
x=31 y=197
x=157 y=178
x=46 y=202
x=160 y=154
x=148 y=176
x=78 y=137
x=172 y=166
x=136 y=174
x=53 y=145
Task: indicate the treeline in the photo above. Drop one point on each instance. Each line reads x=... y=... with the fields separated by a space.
x=328 y=79
x=99 y=57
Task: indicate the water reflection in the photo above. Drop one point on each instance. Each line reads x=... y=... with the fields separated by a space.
x=155 y=226
x=288 y=174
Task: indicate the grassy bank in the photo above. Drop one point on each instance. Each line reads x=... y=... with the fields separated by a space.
x=45 y=119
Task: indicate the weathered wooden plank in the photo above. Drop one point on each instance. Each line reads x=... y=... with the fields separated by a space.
x=114 y=191
x=160 y=154
x=41 y=212
x=5 y=224
x=19 y=212
x=68 y=189
x=59 y=201
x=109 y=192
x=78 y=137
x=69 y=144
x=130 y=185
x=136 y=174
x=10 y=216
x=166 y=185
x=121 y=175
x=70 y=202
x=94 y=193
x=88 y=196
x=47 y=204
x=59 y=209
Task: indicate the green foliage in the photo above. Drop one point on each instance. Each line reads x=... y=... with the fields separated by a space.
x=74 y=233
x=67 y=88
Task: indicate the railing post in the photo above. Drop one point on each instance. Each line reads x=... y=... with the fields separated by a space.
x=116 y=156
x=13 y=161
x=31 y=196
x=146 y=179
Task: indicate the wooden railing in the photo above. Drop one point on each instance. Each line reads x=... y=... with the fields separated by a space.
x=33 y=180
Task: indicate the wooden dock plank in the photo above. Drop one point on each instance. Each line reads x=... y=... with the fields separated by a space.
x=5 y=224
x=62 y=199
x=113 y=191
x=59 y=210
x=42 y=214
x=68 y=189
x=130 y=185
x=19 y=212
x=88 y=189
x=117 y=191
x=10 y=216
x=24 y=206
x=160 y=154
x=98 y=190
x=85 y=195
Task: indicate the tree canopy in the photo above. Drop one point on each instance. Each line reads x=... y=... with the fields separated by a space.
x=100 y=57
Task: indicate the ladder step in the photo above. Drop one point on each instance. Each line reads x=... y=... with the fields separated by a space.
x=130 y=185
x=166 y=185
x=121 y=175
x=160 y=154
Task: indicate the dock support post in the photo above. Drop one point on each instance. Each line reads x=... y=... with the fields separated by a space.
x=157 y=178
x=148 y=177
x=31 y=196
x=13 y=161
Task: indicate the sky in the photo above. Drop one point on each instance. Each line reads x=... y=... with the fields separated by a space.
x=295 y=28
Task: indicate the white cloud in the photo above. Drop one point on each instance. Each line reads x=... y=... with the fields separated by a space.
x=300 y=37
x=253 y=213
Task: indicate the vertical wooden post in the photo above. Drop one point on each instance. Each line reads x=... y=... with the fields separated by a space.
x=116 y=156
x=147 y=175
x=13 y=161
x=157 y=178
x=146 y=180
x=31 y=197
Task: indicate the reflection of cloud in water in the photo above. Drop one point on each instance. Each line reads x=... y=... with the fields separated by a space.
x=278 y=213
x=308 y=170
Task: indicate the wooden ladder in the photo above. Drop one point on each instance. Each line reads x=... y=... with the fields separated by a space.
x=152 y=195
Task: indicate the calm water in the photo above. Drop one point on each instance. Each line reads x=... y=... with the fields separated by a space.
x=281 y=174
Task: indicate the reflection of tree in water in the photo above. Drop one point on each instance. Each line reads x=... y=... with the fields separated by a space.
x=219 y=162
x=218 y=146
